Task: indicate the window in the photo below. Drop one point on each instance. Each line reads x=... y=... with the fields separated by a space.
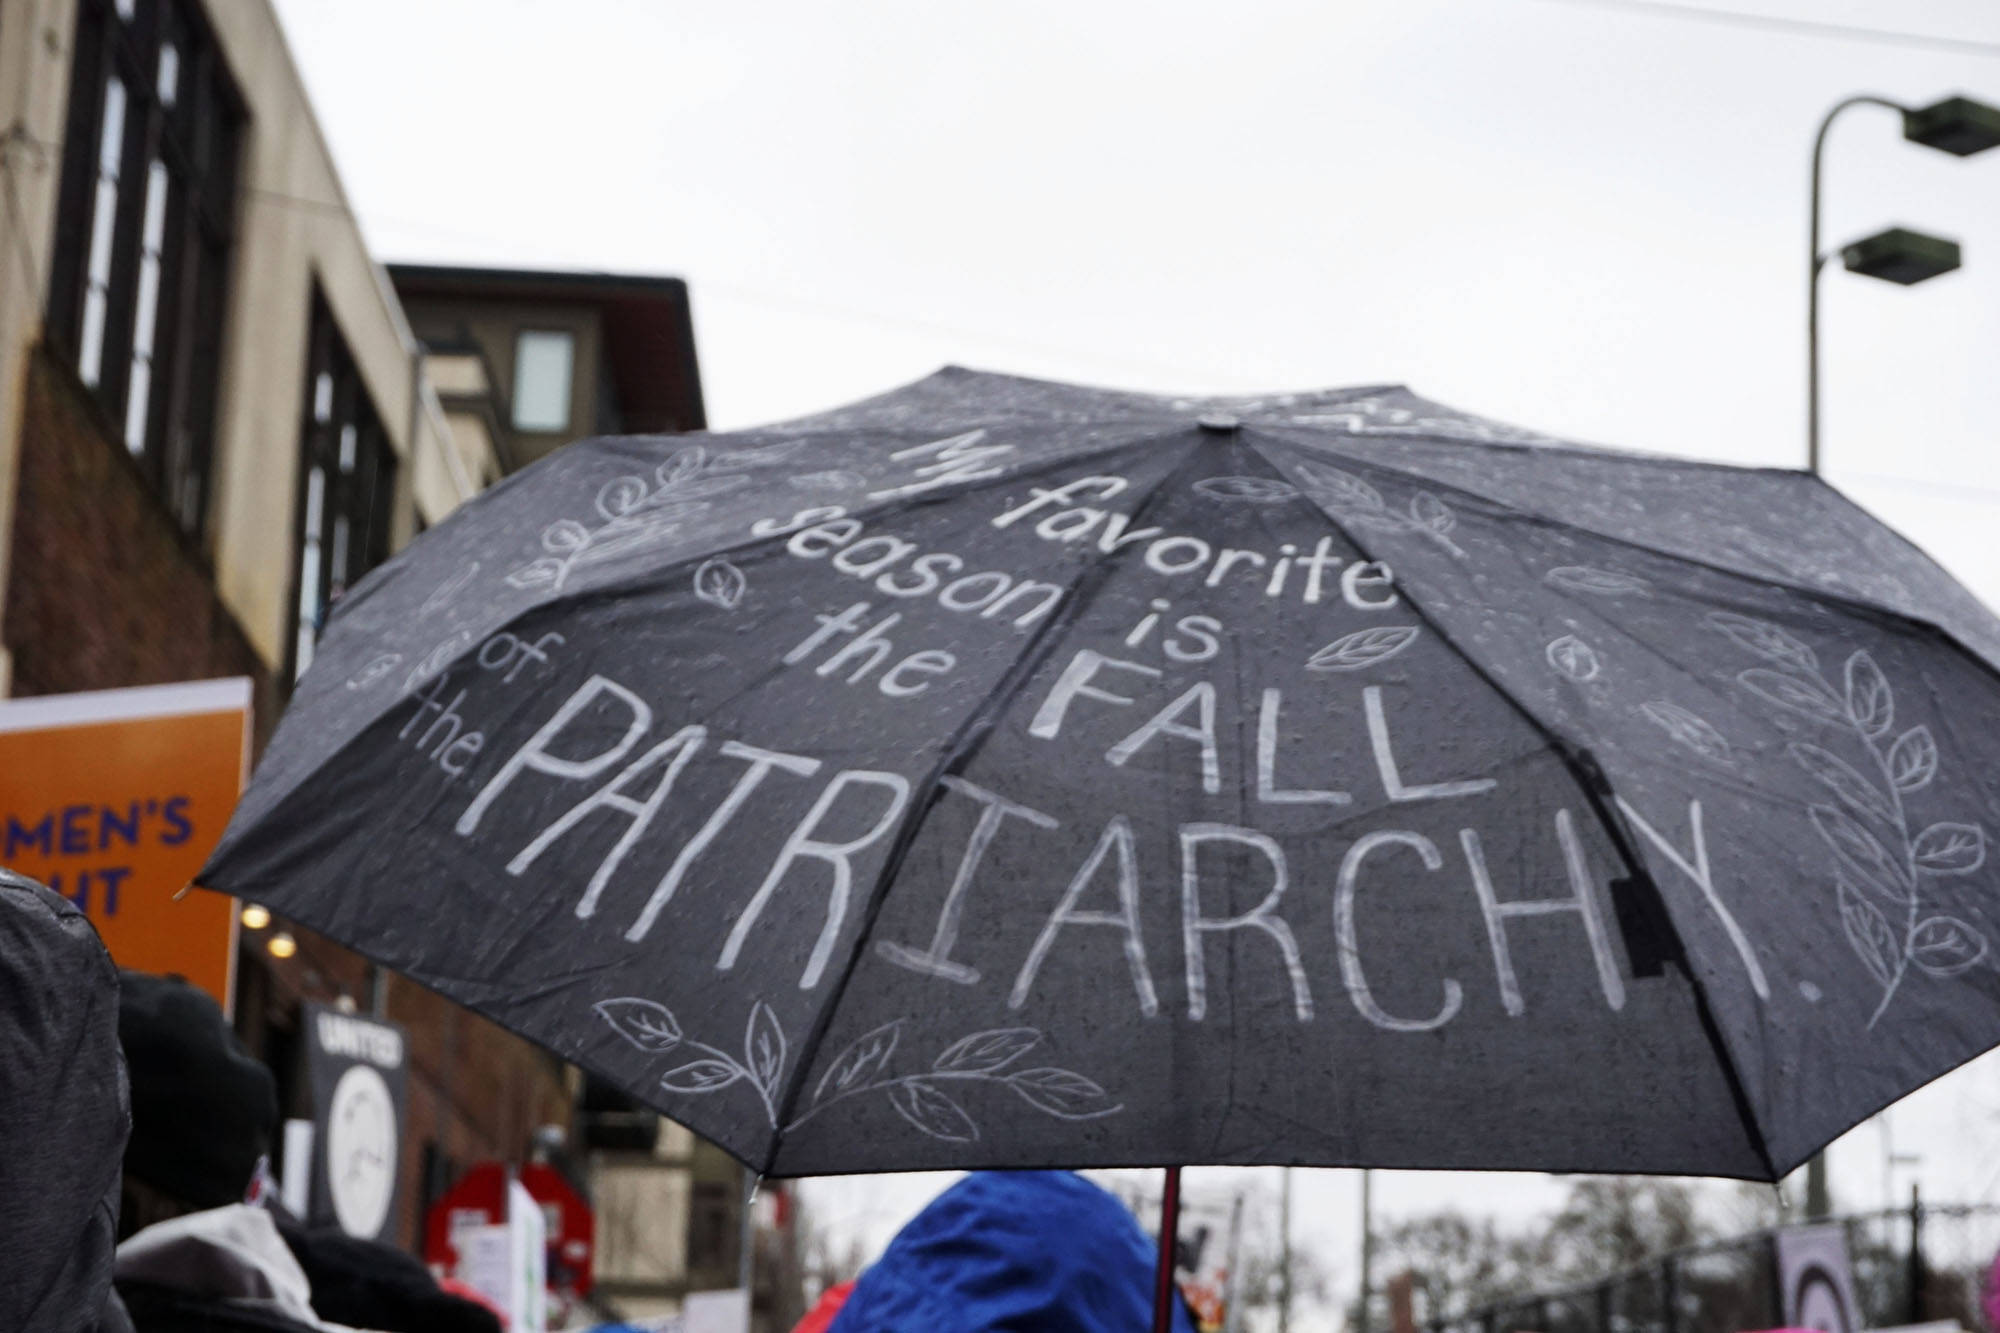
x=714 y=1236
x=347 y=484
x=543 y=360
x=144 y=233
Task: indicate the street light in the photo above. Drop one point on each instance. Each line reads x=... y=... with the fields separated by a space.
x=1956 y=125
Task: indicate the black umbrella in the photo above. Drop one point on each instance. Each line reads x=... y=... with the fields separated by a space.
x=999 y=773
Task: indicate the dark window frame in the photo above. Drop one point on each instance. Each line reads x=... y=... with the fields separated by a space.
x=186 y=144
x=343 y=443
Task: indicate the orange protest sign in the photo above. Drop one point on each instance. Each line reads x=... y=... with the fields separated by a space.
x=114 y=798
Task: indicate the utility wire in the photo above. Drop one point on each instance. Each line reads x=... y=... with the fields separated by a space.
x=45 y=148
x=1801 y=27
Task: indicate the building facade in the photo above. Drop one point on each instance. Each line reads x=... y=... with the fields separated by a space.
x=213 y=417
x=217 y=412
x=556 y=355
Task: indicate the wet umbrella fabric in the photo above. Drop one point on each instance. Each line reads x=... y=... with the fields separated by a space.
x=999 y=773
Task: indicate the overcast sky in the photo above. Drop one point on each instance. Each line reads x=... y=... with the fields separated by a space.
x=1585 y=217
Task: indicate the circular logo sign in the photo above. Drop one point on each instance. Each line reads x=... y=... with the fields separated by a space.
x=361 y=1151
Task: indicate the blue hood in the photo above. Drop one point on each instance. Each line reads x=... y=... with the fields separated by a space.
x=1040 y=1251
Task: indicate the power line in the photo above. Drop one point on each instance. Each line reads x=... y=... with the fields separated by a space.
x=1802 y=27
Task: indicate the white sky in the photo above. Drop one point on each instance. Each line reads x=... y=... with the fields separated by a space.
x=1582 y=217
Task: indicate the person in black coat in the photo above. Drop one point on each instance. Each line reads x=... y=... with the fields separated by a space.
x=63 y=1115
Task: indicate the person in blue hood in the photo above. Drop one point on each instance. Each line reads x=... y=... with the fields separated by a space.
x=1012 y=1252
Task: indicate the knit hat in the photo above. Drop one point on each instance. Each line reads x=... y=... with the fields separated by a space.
x=203 y=1111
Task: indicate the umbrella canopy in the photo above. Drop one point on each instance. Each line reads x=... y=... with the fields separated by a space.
x=1000 y=773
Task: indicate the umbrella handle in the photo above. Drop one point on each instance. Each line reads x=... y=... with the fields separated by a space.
x=1163 y=1286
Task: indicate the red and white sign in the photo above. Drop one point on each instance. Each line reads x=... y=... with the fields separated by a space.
x=480 y=1199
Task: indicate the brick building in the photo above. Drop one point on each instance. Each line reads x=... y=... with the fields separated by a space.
x=214 y=416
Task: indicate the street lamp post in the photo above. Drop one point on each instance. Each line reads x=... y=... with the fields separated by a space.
x=1956 y=125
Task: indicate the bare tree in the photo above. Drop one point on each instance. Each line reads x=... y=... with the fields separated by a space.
x=1456 y=1261
x=1610 y=1223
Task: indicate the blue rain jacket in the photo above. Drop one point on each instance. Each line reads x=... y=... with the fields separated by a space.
x=1026 y=1251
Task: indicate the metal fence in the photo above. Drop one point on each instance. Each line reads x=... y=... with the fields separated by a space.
x=1911 y=1265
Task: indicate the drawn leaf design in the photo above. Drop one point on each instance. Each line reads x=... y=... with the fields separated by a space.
x=1950 y=849
x=1574 y=658
x=1843 y=780
x=617 y=540
x=437 y=659
x=1375 y=521
x=706 y=1075
x=865 y=1057
x=764 y=1045
x=1945 y=946
x=1430 y=512
x=565 y=536
x=984 y=1052
x=762 y=455
x=1870 y=702
x=1600 y=582
x=720 y=583
x=1869 y=932
x=1800 y=694
x=684 y=465
x=546 y=572
x=1689 y=729
x=696 y=488
x=836 y=478
x=378 y=666
x=1247 y=490
x=1364 y=647
x=1861 y=851
x=647 y=1024
x=1764 y=639
x=621 y=495
x=920 y=1102
x=1913 y=759
x=1342 y=490
x=443 y=595
x=1061 y=1093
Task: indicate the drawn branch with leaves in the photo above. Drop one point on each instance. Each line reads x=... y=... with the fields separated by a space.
x=863 y=1067
x=1375 y=416
x=1355 y=502
x=636 y=513
x=1884 y=864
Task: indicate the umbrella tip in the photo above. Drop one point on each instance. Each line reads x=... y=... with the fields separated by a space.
x=1219 y=423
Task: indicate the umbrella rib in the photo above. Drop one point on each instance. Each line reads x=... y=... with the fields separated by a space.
x=1591 y=781
x=964 y=744
x=1845 y=601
